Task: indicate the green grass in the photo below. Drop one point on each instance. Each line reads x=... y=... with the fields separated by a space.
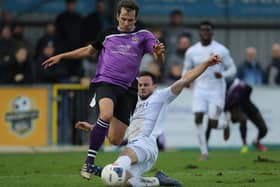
x=224 y=168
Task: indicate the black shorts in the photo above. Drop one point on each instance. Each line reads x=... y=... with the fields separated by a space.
x=124 y=100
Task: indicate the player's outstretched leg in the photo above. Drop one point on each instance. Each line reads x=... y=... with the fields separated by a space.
x=96 y=139
x=164 y=180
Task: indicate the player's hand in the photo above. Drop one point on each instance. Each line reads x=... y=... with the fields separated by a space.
x=83 y=125
x=213 y=60
x=218 y=75
x=51 y=61
x=19 y=77
x=159 y=48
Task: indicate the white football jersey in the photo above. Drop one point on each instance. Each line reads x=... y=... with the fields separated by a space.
x=149 y=113
x=198 y=54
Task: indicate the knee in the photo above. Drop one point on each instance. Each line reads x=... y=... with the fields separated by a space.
x=212 y=123
x=198 y=119
x=106 y=116
x=114 y=140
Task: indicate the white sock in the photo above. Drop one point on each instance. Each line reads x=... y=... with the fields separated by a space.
x=201 y=139
x=124 y=161
x=143 y=181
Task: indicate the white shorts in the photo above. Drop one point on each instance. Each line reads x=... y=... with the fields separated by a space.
x=211 y=103
x=147 y=152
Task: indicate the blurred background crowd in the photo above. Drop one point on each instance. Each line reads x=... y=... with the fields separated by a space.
x=28 y=38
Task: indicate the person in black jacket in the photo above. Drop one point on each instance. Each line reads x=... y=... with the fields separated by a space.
x=68 y=26
x=95 y=22
x=18 y=70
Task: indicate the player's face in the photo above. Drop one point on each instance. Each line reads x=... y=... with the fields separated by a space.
x=126 y=19
x=145 y=87
x=206 y=34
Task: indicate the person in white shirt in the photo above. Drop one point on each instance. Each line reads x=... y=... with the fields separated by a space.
x=146 y=124
x=209 y=89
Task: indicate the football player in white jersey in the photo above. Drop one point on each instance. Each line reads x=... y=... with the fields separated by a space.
x=141 y=152
x=209 y=89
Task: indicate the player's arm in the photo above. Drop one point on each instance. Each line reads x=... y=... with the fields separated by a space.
x=191 y=75
x=230 y=69
x=75 y=54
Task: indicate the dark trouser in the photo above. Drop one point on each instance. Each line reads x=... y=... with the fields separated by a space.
x=248 y=110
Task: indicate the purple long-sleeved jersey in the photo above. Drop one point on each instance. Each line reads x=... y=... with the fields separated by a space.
x=120 y=55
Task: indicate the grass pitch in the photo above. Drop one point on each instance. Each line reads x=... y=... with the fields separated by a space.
x=224 y=168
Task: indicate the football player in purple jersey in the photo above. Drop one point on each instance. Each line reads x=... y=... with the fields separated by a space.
x=120 y=50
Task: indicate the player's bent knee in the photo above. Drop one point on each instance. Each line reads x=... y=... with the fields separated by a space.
x=106 y=116
x=213 y=123
x=263 y=131
x=198 y=120
x=114 y=140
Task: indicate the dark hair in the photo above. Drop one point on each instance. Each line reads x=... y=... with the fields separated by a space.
x=129 y=5
x=176 y=12
x=149 y=74
x=208 y=23
x=184 y=35
x=70 y=1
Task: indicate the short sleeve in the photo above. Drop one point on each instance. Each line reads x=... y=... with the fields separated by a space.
x=98 y=43
x=166 y=95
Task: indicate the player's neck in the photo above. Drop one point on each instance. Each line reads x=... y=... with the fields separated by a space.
x=132 y=29
x=205 y=42
x=145 y=97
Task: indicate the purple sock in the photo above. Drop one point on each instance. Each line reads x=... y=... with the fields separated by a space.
x=96 y=139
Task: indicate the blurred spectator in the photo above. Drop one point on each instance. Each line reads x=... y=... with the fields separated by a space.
x=95 y=22
x=176 y=60
x=154 y=68
x=18 y=69
x=54 y=74
x=175 y=73
x=273 y=73
x=48 y=36
x=6 y=18
x=7 y=44
x=250 y=70
x=68 y=28
x=18 y=36
x=174 y=29
x=6 y=50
